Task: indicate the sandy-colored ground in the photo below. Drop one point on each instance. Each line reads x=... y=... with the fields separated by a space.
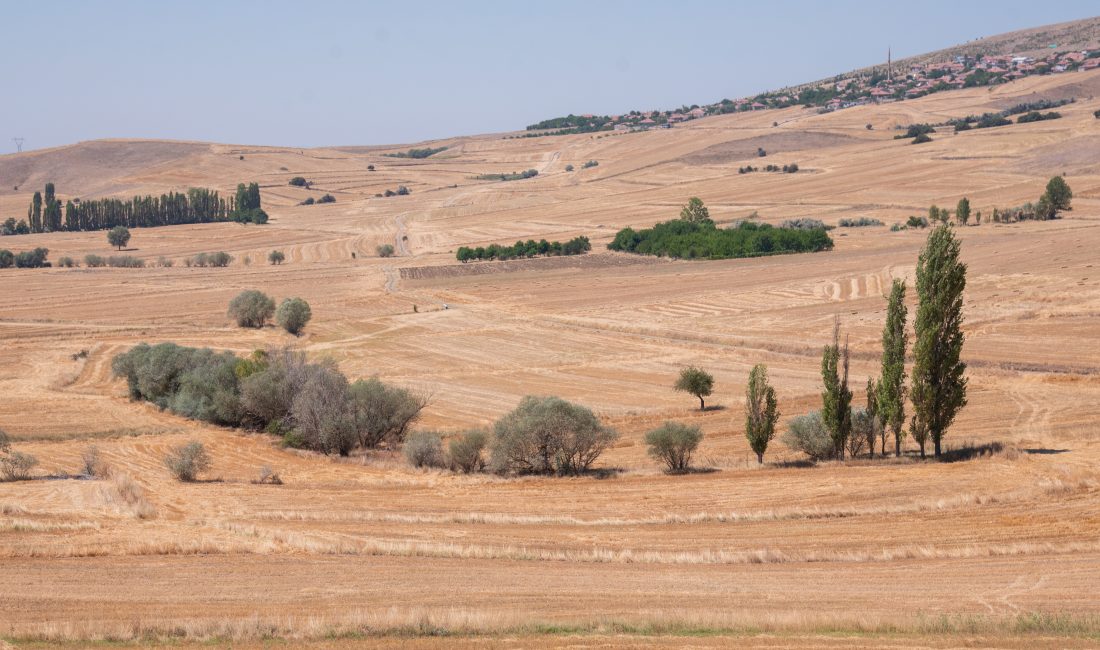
x=369 y=544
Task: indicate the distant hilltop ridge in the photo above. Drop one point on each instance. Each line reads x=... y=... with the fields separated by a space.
x=1052 y=49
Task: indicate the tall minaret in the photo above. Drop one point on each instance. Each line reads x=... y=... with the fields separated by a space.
x=889 y=65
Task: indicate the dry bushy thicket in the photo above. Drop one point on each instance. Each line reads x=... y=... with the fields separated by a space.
x=312 y=405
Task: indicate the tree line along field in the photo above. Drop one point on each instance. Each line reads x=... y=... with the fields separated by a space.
x=999 y=548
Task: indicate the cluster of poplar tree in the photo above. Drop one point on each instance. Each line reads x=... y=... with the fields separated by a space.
x=197 y=205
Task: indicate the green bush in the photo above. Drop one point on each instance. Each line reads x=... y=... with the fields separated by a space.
x=673 y=443
x=7 y=259
x=94 y=261
x=704 y=240
x=276 y=257
x=861 y=222
x=917 y=222
x=803 y=223
x=384 y=250
x=66 y=262
x=427 y=152
x=125 y=262
x=298 y=181
x=548 y=435
x=327 y=198
x=922 y=138
x=425 y=449
x=35 y=259
x=188 y=461
x=569 y=168
x=467 y=451
x=293 y=314
x=809 y=435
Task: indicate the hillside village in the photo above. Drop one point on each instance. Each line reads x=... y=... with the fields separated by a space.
x=882 y=84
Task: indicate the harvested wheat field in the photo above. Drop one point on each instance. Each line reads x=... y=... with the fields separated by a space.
x=1001 y=547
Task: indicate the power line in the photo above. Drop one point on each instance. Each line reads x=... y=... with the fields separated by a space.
x=18 y=144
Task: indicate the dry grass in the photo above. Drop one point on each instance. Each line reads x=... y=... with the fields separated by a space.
x=126 y=494
x=457 y=622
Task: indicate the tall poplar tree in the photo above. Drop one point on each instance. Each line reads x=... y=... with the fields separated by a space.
x=939 y=382
x=891 y=385
x=836 y=401
x=761 y=413
x=36 y=212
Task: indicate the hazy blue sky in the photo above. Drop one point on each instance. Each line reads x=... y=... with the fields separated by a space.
x=316 y=73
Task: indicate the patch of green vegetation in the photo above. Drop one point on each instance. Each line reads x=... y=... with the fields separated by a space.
x=427 y=152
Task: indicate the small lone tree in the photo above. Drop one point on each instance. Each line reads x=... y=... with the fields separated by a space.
x=188 y=461
x=673 y=443
x=836 y=408
x=293 y=314
x=697 y=382
x=891 y=384
x=251 y=308
x=276 y=257
x=118 y=236
x=760 y=411
x=1058 y=193
x=962 y=211
x=695 y=211
x=384 y=250
x=939 y=384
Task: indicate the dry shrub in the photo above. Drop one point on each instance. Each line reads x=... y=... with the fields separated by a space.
x=268 y=476
x=188 y=461
x=467 y=451
x=17 y=466
x=125 y=492
x=91 y=465
x=425 y=449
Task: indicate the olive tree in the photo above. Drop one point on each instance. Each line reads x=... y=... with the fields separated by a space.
x=548 y=435
x=118 y=236
x=382 y=413
x=809 y=435
x=697 y=382
x=251 y=308
x=276 y=257
x=293 y=314
x=673 y=443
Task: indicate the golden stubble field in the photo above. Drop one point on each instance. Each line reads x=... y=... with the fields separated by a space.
x=838 y=554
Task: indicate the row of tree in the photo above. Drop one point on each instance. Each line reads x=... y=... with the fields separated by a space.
x=1056 y=197
x=197 y=205
x=520 y=249
x=937 y=389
